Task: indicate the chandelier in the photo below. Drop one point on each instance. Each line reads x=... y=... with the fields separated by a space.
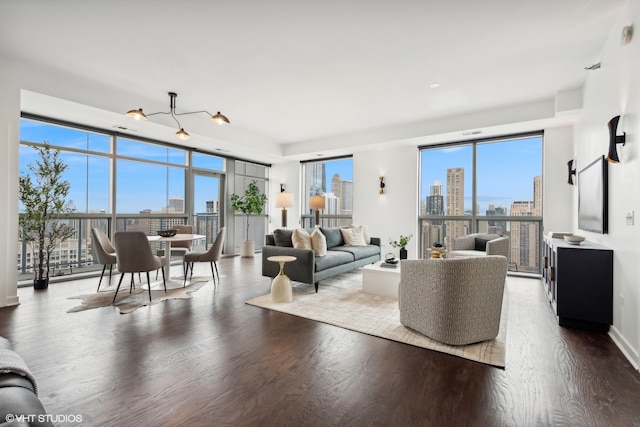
x=182 y=134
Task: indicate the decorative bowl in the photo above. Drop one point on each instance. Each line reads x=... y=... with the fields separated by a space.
x=573 y=239
x=167 y=233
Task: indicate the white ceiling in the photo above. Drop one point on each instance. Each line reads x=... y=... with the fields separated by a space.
x=300 y=77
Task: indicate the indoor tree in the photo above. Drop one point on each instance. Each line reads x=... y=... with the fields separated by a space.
x=251 y=203
x=43 y=194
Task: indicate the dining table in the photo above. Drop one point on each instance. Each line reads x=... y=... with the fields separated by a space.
x=171 y=283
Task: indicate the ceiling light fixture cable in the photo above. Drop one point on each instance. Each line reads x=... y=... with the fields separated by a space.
x=182 y=134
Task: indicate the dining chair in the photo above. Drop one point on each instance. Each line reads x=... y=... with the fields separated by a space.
x=104 y=250
x=135 y=255
x=211 y=256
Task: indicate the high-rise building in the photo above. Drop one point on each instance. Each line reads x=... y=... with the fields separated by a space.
x=497 y=227
x=176 y=205
x=455 y=203
x=433 y=229
x=213 y=206
x=316 y=178
x=346 y=197
x=525 y=244
x=435 y=200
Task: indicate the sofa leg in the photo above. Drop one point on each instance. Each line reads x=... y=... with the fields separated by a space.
x=317 y=283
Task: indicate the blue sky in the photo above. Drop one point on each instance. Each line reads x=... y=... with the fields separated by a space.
x=505 y=170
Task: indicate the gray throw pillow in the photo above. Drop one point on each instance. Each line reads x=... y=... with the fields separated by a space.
x=334 y=237
x=283 y=237
x=481 y=245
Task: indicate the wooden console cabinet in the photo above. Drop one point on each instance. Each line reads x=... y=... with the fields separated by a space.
x=578 y=280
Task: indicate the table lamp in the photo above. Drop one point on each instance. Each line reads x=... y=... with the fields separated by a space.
x=284 y=201
x=317 y=203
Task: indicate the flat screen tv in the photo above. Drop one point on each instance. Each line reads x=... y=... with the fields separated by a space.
x=593 y=199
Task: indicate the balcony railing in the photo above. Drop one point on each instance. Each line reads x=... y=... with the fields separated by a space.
x=76 y=255
x=525 y=235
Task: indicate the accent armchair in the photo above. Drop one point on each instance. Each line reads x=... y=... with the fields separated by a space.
x=480 y=244
x=455 y=301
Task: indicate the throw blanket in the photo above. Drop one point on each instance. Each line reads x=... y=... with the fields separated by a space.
x=12 y=363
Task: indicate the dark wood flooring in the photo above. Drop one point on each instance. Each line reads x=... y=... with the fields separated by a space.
x=215 y=361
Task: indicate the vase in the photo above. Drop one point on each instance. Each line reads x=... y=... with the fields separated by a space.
x=403 y=253
x=41 y=283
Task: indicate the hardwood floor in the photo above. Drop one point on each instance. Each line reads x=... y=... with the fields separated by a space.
x=215 y=361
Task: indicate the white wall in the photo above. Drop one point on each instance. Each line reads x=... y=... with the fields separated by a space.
x=288 y=174
x=615 y=90
x=557 y=209
x=393 y=213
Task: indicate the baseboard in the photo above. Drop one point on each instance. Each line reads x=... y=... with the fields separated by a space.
x=629 y=352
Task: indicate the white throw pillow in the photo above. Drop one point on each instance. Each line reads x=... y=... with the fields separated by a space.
x=353 y=236
x=365 y=233
x=318 y=242
x=301 y=239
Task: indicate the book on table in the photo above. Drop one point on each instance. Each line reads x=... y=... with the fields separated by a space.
x=388 y=265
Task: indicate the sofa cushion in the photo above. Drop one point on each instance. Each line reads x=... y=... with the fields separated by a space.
x=283 y=237
x=334 y=237
x=365 y=232
x=333 y=259
x=465 y=254
x=359 y=252
x=301 y=239
x=353 y=236
x=318 y=242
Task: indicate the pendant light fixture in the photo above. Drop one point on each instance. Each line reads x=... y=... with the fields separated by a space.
x=138 y=114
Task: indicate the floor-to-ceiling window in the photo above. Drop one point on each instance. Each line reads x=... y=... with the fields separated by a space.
x=246 y=173
x=332 y=181
x=124 y=183
x=484 y=186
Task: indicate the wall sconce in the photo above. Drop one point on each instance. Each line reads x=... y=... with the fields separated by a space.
x=614 y=140
x=284 y=201
x=317 y=203
x=627 y=35
x=571 y=172
x=382 y=185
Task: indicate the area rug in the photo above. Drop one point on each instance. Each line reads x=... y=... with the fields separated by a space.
x=128 y=302
x=341 y=302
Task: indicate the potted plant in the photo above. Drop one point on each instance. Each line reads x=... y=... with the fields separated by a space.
x=251 y=203
x=402 y=244
x=43 y=195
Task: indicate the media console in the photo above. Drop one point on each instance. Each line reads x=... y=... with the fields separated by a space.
x=578 y=280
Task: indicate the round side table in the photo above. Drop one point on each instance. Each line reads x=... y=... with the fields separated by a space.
x=281 y=285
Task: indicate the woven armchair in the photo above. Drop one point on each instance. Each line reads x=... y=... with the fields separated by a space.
x=455 y=301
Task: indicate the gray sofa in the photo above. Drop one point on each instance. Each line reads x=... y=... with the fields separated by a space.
x=19 y=403
x=308 y=268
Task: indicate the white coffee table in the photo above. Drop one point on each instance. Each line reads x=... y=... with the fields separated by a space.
x=380 y=280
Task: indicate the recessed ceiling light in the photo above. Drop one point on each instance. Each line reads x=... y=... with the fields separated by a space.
x=434 y=85
x=119 y=127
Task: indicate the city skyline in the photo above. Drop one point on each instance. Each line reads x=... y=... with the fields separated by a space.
x=505 y=170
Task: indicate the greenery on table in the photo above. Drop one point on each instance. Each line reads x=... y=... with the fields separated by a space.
x=402 y=242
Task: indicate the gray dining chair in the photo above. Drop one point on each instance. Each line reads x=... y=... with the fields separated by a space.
x=104 y=250
x=211 y=256
x=135 y=255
